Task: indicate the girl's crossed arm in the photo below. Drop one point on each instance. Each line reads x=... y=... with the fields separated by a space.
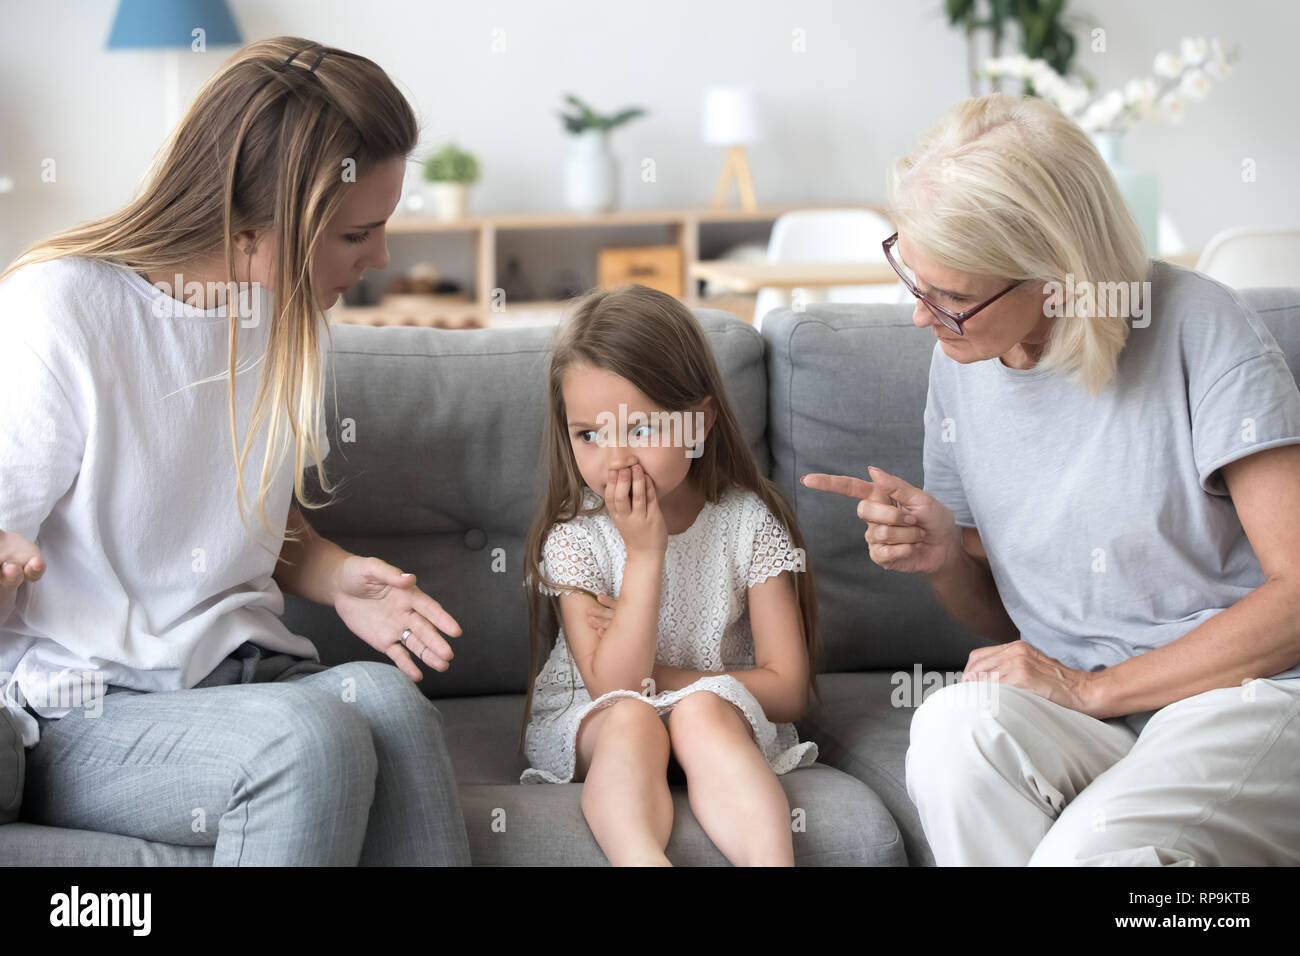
x=779 y=677
x=624 y=654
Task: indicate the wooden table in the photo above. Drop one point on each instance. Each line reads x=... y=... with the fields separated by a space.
x=752 y=276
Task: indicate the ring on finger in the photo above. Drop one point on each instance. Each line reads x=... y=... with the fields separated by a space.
x=423 y=646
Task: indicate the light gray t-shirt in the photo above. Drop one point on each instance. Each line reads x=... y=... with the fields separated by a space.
x=1108 y=526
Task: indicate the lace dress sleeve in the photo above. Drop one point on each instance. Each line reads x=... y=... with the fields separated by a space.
x=771 y=551
x=569 y=560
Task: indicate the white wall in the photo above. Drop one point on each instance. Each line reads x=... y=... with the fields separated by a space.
x=874 y=75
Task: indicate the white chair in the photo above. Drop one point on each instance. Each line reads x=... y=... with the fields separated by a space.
x=828 y=235
x=1250 y=256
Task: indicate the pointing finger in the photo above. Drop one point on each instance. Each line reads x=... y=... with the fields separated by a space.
x=839 y=484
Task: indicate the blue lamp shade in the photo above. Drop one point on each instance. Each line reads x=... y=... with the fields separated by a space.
x=170 y=24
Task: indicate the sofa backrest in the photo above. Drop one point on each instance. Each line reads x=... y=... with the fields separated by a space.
x=846 y=389
x=436 y=443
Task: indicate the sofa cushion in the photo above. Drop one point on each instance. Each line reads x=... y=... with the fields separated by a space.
x=13 y=764
x=439 y=455
x=1280 y=310
x=863 y=727
x=31 y=844
x=509 y=823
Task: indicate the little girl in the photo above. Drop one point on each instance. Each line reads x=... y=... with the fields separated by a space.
x=653 y=497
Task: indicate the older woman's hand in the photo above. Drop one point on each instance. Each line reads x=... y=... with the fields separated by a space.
x=1022 y=665
x=907 y=529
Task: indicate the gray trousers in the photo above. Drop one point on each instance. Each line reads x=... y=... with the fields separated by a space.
x=272 y=760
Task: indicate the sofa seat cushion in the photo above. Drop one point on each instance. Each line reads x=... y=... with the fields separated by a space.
x=31 y=844
x=861 y=731
x=843 y=823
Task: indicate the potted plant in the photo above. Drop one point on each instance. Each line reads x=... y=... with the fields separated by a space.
x=452 y=171
x=590 y=171
x=1044 y=30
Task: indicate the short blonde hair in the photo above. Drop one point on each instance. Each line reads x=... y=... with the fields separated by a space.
x=1012 y=187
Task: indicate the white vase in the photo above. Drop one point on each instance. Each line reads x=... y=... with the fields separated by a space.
x=590 y=173
x=1137 y=187
x=450 y=200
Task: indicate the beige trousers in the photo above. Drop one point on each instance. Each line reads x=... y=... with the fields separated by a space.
x=1003 y=777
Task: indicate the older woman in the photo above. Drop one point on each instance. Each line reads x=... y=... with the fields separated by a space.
x=1112 y=497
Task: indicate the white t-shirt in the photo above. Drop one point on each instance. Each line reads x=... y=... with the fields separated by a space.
x=125 y=481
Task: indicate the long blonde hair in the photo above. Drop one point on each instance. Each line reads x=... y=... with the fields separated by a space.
x=1012 y=187
x=267 y=144
x=653 y=341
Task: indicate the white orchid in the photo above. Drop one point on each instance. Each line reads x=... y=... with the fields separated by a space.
x=1219 y=63
x=1218 y=67
x=1193 y=50
x=1174 y=107
x=1182 y=78
x=1167 y=65
x=1072 y=99
x=1140 y=92
x=1195 y=85
x=1016 y=66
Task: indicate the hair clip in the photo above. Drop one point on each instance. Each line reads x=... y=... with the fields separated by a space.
x=312 y=68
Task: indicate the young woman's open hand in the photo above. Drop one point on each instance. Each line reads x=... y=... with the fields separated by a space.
x=20 y=561
x=631 y=502
x=378 y=603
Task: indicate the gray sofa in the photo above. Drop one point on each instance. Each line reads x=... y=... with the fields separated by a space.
x=443 y=473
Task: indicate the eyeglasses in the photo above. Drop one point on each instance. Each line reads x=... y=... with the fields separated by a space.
x=951 y=320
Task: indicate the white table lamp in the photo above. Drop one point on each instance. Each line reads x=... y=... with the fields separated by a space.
x=731 y=120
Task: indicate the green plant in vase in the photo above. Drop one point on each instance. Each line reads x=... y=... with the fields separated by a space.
x=590 y=171
x=452 y=171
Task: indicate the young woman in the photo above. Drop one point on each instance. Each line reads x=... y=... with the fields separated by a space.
x=144 y=416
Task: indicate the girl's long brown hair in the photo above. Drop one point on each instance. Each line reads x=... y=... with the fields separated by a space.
x=265 y=146
x=653 y=341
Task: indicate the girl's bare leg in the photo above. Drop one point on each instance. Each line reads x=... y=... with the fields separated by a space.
x=622 y=760
x=734 y=794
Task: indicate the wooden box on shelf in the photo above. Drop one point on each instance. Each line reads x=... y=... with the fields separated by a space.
x=659 y=267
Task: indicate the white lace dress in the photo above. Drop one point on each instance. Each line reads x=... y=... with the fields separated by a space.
x=703 y=623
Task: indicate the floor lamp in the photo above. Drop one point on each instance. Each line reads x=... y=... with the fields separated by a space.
x=172 y=26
